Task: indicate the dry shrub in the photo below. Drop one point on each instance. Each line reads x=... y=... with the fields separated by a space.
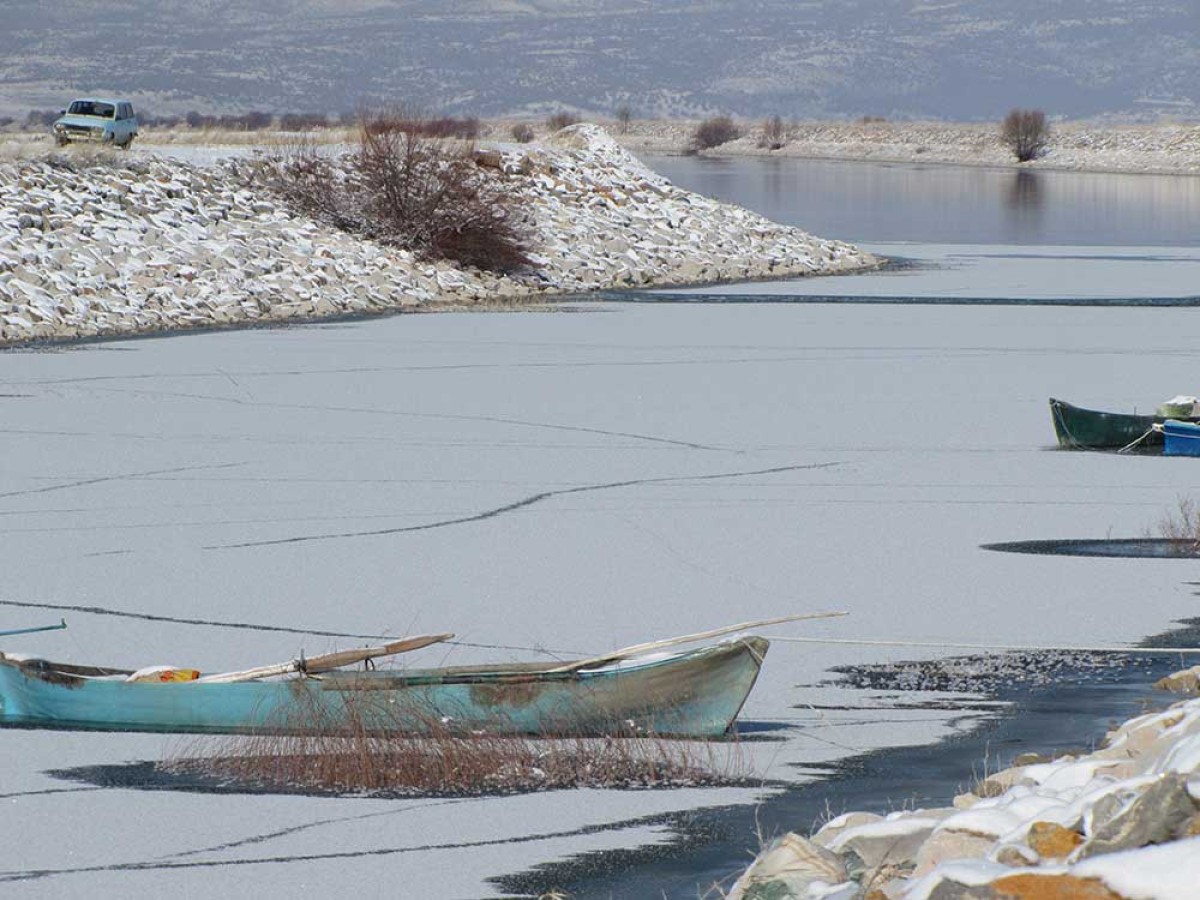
x=774 y=134
x=443 y=127
x=522 y=132
x=561 y=119
x=407 y=189
x=343 y=755
x=713 y=133
x=1025 y=133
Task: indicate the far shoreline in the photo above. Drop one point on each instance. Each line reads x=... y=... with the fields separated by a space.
x=1162 y=148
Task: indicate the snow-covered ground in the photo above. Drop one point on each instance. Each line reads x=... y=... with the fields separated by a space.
x=139 y=245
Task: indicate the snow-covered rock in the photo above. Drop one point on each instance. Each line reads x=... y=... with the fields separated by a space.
x=1122 y=823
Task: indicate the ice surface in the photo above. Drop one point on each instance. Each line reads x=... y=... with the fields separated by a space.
x=225 y=500
x=999 y=273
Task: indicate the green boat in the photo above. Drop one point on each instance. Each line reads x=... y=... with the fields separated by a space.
x=696 y=693
x=1090 y=429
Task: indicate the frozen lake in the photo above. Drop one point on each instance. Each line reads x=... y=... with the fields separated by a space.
x=228 y=499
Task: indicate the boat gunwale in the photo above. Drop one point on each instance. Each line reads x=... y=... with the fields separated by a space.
x=70 y=674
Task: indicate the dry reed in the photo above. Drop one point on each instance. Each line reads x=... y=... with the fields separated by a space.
x=1182 y=525
x=317 y=752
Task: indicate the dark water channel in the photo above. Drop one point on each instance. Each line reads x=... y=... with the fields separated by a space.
x=1066 y=707
x=872 y=202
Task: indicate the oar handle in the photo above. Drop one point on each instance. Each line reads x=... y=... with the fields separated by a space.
x=60 y=625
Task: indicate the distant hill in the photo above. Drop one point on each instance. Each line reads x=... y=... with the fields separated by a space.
x=966 y=60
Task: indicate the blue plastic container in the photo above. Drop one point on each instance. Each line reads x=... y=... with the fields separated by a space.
x=1181 y=438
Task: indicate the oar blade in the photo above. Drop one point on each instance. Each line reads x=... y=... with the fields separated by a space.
x=327 y=662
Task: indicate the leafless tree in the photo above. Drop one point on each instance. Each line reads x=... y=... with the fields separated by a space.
x=624 y=117
x=1026 y=133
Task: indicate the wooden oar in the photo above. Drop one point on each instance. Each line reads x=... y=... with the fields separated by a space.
x=327 y=661
x=637 y=649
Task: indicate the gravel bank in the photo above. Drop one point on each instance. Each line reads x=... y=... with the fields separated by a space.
x=101 y=246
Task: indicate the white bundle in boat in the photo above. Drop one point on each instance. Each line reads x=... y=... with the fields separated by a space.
x=1181 y=407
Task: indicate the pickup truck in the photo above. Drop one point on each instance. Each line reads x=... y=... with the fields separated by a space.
x=111 y=122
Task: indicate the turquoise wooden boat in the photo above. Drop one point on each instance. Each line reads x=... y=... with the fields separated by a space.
x=1078 y=428
x=696 y=693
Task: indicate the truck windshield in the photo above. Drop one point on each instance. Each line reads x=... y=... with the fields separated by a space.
x=92 y=108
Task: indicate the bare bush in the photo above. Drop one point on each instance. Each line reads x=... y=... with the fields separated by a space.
x=1026 y=133
x=442 y=127
x=147 y=119
x=405 y=189
x=302 y=121
x=713 y=133
x=39 y=118
x=561 y=119
x=774 y=134
x=522 y=132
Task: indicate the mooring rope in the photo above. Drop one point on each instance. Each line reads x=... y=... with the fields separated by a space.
x=947 y=645
x=1137 y=441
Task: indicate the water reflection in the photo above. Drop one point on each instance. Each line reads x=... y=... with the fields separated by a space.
x=1023 y=200
x=883 y=202
x=1024 y=191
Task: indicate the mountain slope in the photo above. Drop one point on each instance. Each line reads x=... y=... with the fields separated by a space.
x=971 y=59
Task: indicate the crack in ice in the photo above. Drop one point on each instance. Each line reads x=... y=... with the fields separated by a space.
x=517 y=505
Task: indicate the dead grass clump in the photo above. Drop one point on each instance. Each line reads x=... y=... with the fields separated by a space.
x=346 y=757
x=406 y=189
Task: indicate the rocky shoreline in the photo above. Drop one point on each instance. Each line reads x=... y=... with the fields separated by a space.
x=104 y=247
x=1165 y=149
x=1121 y=823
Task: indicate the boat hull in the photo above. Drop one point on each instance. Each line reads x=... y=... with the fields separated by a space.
x=1181 y=438
x=1091 y=429
x=694 y=694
